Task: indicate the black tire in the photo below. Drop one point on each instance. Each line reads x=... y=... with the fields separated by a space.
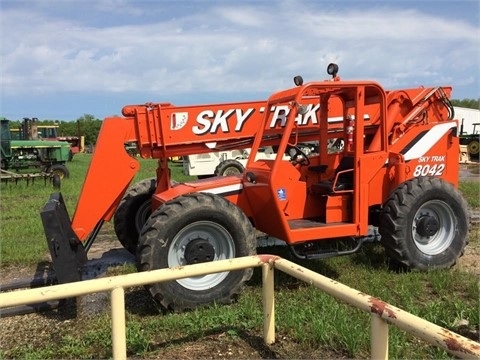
x=229 y=167
x=60 y=170
x=424 y=224
x=132 y=213
x=473 y=147
x=191 y=229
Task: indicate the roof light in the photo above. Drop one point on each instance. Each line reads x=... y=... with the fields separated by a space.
x=332 y=69
x=298 y=80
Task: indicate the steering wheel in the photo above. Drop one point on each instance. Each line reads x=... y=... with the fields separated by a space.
x=298 y=156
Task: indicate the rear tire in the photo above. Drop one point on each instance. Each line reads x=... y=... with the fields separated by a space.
x=60 y=170
x=229 y=167
x=424 y=224
x=473 y=147
x=132 y=213
x=190 y=229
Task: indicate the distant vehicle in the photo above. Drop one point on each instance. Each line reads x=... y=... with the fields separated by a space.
x=30 y=152
x=50 y=132
x=472 y=141
x=229 y=162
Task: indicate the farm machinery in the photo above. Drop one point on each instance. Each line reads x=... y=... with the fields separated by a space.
x=393 y=180
x=471 y=141
x=29 y=151
x=50 y=133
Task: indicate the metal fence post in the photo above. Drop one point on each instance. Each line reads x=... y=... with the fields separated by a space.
x=119 y=340
x=378 y=338
x=268 y=304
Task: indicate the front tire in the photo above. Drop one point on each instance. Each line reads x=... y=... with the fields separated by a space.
x=424 y=224
x=132 y=213
x=191 y=229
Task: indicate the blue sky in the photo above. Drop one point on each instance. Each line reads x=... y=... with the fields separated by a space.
x=63 y=59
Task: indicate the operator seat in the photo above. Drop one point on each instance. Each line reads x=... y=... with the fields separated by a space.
x=342 y=180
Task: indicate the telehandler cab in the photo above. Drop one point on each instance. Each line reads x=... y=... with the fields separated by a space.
x=396 y=171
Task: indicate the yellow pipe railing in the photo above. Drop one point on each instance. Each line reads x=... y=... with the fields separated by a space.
x=382 y=313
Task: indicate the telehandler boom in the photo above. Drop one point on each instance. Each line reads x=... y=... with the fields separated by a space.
x=396 y=170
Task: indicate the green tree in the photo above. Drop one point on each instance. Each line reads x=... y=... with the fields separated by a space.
x=86 y=125
x=467 y=103
x=89 y=127
x=68 y=128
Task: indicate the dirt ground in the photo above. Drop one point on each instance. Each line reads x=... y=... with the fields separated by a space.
x=469 y=262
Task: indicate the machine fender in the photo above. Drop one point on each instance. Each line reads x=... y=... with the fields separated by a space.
x=67 y=252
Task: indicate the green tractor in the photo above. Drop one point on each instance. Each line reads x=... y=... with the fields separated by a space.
x=48 y=157
x=472 y=141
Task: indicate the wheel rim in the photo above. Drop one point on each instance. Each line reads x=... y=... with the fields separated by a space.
x=433 y=228
x=204 y=231
x=142 y=214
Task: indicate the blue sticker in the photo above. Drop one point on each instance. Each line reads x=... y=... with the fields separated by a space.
x=282 y=194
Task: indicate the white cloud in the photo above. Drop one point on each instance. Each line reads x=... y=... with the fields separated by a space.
x=246 y=17
x=226 y=48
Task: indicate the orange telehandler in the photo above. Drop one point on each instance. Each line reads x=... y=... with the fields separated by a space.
x=395 y=169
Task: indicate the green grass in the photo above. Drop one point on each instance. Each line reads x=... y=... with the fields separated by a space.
x=309 y=323
x=22 y=240
x=470 y=191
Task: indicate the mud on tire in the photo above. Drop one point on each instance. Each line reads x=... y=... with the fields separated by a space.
x=424 y=224
x=190 y=229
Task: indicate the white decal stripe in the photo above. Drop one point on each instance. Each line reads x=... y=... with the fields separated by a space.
x=428 y=140
x=224 y=189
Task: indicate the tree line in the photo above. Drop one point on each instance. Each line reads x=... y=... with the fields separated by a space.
x=88 y=126
x=467 y=103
